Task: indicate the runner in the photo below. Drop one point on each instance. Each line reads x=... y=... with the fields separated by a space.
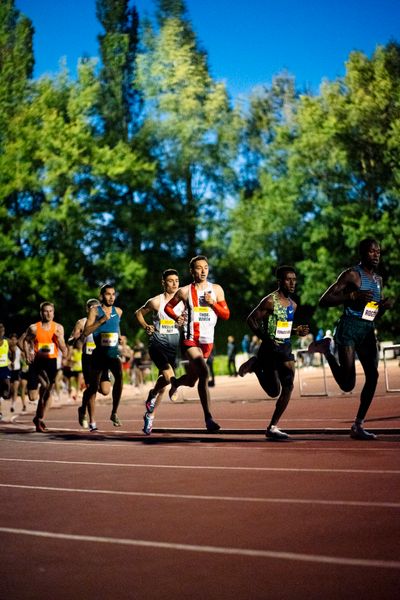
x=103 y=322
x=272 y=322
x=5 y=373
x=14 y=354
x=359 y=289
x=88 y=345
x=163 y=341
x=40 y=344
x=204 y=303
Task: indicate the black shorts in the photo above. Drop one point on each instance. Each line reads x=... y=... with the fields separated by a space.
x=87 y=368
x=275 y=354
x=15 y=375
x=162 y=356
x=45 y=366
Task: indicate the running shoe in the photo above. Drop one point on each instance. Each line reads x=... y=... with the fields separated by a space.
x=82 y=418
x=151 y=401
x=357 y=432
x=321 y=346
x=148 y=423
x=212 y=426
x=273 y=433
x=115 y=420
x=248 y=366
x=39 y=424
x=93 y=427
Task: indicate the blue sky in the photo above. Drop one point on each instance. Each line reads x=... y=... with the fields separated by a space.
x=247 y=41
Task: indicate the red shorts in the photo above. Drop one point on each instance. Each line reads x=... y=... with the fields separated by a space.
x=205 y=348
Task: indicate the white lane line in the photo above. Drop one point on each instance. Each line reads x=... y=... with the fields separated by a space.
x=343 y=503
x=203 y=467
x=213 y=446
x=314 y=558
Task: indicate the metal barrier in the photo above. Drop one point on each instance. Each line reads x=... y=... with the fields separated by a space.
x=387 y=349
x=301 y=383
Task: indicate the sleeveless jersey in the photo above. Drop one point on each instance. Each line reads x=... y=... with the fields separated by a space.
x=106 y=337
x=17 y=359
x=201 y=318
x=4 y=360
x=279 y=326
x=371 y=284
x=45 y=342
x=166 y=331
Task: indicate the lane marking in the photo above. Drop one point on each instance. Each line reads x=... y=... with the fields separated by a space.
x=205 y=497
x=314 y=558
x=212 y=445
x=204 y=467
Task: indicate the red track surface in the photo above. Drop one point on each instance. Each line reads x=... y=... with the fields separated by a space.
x=183 y=514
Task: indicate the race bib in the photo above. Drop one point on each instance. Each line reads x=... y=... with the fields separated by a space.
x=202 y=314
x=167 y=326
x=283 y=330
x=370 y=311
x=46 y=348
x=3 y=360
x=90 y=346
x=109 y=340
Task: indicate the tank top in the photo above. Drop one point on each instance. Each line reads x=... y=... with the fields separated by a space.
x=106 y=337
x=201 y=317
x=4 y=360
x=368 y=283
x=166 y=330
x=280 y=323
x=17 y=359
x=45 y=342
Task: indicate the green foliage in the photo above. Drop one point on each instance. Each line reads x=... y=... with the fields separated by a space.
x=141 y=162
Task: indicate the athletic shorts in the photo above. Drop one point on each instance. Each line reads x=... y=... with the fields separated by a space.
x=5 y=373
x=15 y=375
x=275 y=354
x=41 y=365
x=163 y=355
x=354 y=332
x=206 y=348
x=87 y=366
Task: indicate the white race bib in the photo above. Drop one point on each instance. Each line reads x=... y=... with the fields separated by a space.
x=202 y=314
x=108 y=340
x=370 y=311
x=167 y=327
x=3 y=360
x=283 y=330
x=90 y=346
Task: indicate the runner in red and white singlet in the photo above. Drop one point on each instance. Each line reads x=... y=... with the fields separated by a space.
x=204 y=302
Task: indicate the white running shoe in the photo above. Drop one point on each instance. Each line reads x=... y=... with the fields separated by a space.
x=273 y=433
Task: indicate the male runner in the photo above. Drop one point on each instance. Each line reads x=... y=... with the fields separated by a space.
x=77 y=337
x=5 y=373
x=272 y=322
x=103 y=322
x=359 y=289
x=204 y=302
x=163 y=341
x=41 y=343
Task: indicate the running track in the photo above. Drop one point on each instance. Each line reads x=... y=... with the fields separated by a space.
x=183 y=514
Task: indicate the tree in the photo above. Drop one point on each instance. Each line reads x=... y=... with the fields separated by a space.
x=190 y=131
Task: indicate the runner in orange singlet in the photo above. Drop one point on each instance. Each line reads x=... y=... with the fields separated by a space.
x=41 y=343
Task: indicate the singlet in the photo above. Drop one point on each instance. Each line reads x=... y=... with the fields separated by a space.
x=45 y=342
x=76 y=360
x=106 y=337
x=371 y=284
x=4 y=360
x=166 y=331
x=201 y=317
x=280 y=323
x=89 y=343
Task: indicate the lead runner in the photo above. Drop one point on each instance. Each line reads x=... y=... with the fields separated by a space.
x=204 y=302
